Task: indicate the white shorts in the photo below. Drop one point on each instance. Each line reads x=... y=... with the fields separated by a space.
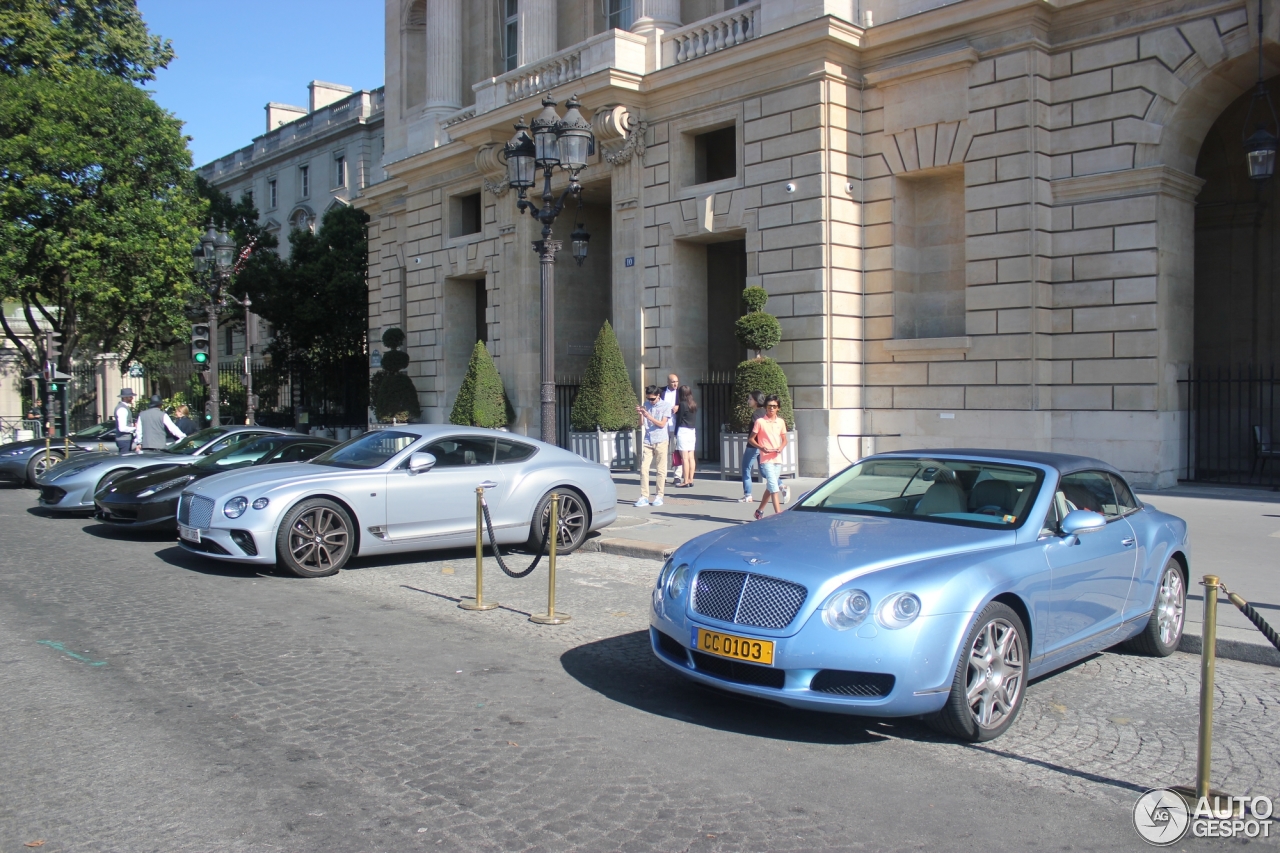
x=686 y=439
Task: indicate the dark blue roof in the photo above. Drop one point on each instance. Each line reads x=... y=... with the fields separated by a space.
x=1064 y=463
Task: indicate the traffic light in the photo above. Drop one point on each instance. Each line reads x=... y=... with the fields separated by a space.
x=200 y=344
x=208 y=410
x=52 y=352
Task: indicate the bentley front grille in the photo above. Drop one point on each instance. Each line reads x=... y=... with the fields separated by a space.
x=195 y=511
x=746 y=599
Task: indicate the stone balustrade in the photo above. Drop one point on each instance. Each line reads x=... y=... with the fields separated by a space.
x=711 y=35
x=612 y=49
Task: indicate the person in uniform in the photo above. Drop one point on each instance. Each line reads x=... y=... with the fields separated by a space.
x=152 y=425
x=124 y=421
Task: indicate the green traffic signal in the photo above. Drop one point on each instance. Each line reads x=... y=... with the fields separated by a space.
x=201 y=357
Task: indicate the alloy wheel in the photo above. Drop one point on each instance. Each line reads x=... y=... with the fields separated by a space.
x=996 y=674
x=1169 y=606
x=318 y=539
x=571 y=521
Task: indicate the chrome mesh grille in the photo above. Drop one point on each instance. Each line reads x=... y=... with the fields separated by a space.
x=195 y=511
x=747 y=599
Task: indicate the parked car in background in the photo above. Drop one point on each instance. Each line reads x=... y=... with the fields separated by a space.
x=71 y=485
x=148 y=498
x=933 y=583
x=23 y=461
x=405 y=488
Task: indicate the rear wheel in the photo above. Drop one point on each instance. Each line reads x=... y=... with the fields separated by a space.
x=990 y=678
x=572 y=521
x=41 y=461
x=1164 y=629
x=315 y=539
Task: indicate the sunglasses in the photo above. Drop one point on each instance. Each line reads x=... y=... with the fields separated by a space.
x=772 y=406
x=653 y=399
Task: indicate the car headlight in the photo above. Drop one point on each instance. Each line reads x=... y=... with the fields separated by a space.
x=166 y=485
x=665 y=574
x=261 y=503
x=846 y=609
x=678 y=582
x=899 y=610
x=235 y=507
x=17 y=452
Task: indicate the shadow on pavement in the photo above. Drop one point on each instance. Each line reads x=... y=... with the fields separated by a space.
x=624 y=669
x=177 y=556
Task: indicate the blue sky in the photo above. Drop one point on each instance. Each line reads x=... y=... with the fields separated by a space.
x=233 y=56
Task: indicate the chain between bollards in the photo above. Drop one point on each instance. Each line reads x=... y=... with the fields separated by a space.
x=551 y=617
x=478 y=603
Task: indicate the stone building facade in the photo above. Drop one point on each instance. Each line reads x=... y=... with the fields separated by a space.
x=977 y=221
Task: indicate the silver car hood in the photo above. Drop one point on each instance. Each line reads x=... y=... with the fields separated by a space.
x=258 y=478
x=84 y=461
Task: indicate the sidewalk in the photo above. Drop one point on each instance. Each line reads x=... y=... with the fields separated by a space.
x=1234 y=533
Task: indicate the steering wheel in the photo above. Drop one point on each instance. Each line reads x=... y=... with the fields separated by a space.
x=990 y=509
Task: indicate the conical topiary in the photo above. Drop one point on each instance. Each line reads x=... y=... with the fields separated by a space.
x=606 y=399
x=481 y=401
x=395 y=397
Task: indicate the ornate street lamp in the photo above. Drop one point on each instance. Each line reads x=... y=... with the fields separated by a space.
x=556 y=143
x=1260 y=146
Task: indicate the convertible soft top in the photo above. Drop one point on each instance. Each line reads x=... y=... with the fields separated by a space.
x=1063 y=463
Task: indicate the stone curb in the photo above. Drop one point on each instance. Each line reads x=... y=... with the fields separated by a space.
x=629 y=548
x=1233 y=650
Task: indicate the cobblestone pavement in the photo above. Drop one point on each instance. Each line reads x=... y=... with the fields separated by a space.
x=155 y=701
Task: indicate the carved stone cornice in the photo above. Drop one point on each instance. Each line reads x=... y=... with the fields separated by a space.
x=612 y=124
x=492 y=168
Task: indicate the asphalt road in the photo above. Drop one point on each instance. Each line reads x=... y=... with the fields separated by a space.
x=155 y=701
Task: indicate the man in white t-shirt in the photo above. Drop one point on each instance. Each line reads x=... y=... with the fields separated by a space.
x=671 y=396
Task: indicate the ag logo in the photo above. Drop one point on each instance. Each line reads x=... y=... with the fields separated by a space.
x=1161 y=817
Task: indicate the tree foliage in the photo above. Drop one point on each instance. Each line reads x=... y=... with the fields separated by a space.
x=760 y=374
x=96 y=214
x=394 y=395
x=757 y=330
x=54 y=36
x=606 y=399
x=481 y=401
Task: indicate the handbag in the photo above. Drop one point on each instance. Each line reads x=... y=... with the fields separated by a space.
x=677 y=458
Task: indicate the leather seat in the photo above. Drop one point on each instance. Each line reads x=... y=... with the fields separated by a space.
x=997 y=493
x=942 y=496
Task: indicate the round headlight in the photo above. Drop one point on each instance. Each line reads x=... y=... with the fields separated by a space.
x=665 y=574
x=678 y=582
x=235 y=507
x=261 y=503
x=846 y=609
x=899 y=610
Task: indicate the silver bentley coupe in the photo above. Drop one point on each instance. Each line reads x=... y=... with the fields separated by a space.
x=404 y=488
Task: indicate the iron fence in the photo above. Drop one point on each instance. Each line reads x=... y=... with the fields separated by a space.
x=715 y=410
x=1232 y=425
x=566 y=393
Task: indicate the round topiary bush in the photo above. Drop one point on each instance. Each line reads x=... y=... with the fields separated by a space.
x=397 y=399
x=760 y=374
x=395 y=361
x=755 y=298
x=393 y=338
x=606 y=399
x=758 y=331
x=481 y=400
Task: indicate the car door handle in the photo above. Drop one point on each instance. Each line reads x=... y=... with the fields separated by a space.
x=1127 y=542
x=490 y=484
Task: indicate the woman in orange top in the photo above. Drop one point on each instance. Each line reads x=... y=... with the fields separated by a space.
x=769 y=434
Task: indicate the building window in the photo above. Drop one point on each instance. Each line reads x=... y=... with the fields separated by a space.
x=304 y=181
x=340 y=171
x=271 y=193
x=715 y=155
x=618 y=14
x=248 y=196
x=464 y=215
x=510 y=35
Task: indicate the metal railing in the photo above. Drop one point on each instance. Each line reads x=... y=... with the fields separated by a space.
x=715 y=410
x=567 y=388
x=1231 y=431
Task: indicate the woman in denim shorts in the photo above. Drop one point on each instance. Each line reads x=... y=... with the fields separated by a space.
x=769 y=435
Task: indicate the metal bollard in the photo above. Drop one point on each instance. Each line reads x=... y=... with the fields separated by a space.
x=551 y=617
x=478 y=603
x=1208 y=655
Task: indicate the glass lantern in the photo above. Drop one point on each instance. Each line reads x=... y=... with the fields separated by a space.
x=1260 y=152
x=579 y=239
x=574 y=138
x=545 y=135
x=520 y=153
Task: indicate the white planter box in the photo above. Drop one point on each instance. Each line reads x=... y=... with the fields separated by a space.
x=610 y=449
x=733 y=444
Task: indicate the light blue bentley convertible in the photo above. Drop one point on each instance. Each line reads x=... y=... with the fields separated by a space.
x=926 y=583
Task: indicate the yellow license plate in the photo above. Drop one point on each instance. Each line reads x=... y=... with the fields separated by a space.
x=737 y=648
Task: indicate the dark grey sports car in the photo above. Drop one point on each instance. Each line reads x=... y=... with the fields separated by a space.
x=23 y=461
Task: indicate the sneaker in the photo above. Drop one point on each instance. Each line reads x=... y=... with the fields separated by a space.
x=746 y=499
x=644 y=502
x=786 y=494
x=657 y=501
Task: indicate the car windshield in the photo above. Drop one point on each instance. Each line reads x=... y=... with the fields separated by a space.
x=367 y=451
x=239 y=455
x=949 y=491
x=95 y=430
x=196 y=440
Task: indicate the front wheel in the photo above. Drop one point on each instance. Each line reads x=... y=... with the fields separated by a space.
x=1164 y=629
x=315 y=539
x=571 y=521
x=990 y=678
x=40 y=462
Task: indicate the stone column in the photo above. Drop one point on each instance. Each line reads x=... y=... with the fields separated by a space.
x=444 y=55
x=656 y=15
x=109 y=381
x=537 y=30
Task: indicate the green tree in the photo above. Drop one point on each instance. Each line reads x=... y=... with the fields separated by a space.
x=97 y=214
x=52 y=36
x=481 y=401
x=606 y=399
x=757 y=330
x=760 y=374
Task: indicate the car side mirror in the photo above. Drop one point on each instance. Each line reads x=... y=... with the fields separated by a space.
x=421 y=462
x=1080 y=521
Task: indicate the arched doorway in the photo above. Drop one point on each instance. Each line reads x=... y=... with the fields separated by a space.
x=1237 y=308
